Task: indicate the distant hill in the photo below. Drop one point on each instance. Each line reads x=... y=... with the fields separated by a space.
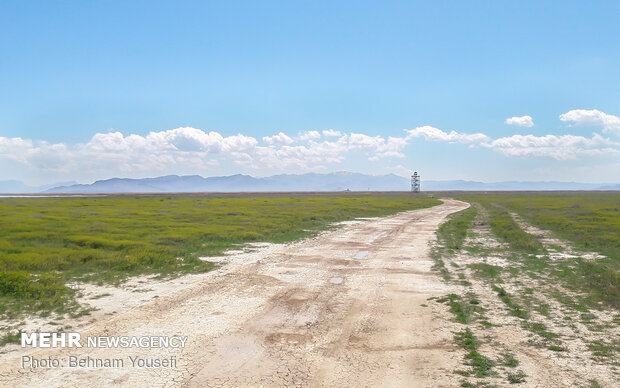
x=15 y=186
x=512 y=186
x=338 y=181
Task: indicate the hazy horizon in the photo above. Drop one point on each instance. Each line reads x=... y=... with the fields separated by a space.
x=87 y=182
x=336 y=181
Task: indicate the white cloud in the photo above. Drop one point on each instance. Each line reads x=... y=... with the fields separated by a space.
x=41 y=155
x=192 y=150
x=561 y=147
x=331 y=133
x=184 y=139
x=435 y=134
x=593 y=117
x=377 y=146
x=520 y=121
x=310 y=135
x=15 y=148
x=238 y=143
x=308 y=157
x=280 y=138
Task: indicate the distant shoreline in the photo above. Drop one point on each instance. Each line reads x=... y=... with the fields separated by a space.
x=212 y=193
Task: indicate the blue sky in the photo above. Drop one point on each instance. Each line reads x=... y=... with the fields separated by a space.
x=76 y=75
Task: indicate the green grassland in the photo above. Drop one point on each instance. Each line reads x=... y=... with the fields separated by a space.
x=47 y=242
x=588 y=221
x=536 y=285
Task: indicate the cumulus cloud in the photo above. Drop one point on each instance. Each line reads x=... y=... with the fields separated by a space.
x=593 y=117
x=41 y=155
x=561 y=147
x=520 y=121
x=309 y=135
x=15 y=148
x=311 y=156
x=193 y=150
x=280 y=138
x=331 y=133
x=378 y=147
x=435 y=134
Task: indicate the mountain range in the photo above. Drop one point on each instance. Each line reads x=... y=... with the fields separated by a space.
x=338 y=181
x=15 y=186
x=244 y=183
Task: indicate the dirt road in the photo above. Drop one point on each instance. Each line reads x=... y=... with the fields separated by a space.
x=347 y=308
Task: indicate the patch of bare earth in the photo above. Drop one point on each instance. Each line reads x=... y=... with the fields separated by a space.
x=347 y=308
x=577 y=364
x=556 y=248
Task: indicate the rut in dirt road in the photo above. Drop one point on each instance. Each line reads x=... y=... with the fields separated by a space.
x=346 y=308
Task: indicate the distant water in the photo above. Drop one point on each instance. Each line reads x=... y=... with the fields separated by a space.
x=51 y=196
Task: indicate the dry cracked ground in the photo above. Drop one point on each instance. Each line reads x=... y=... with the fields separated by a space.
x=356 y=306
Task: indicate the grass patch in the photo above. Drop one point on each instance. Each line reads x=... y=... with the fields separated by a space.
x=452 y=233
x=504 y=226
x=10 y=338
x=602 y=349
x=589 y=221
x=20 y=290
x=594 y=384
x=467 y=340
x=509 y=360
x=541 y=330
x=542 y=308
x=486 y=270
x=465 y=309
x=515 y=308
x=450 y=236
x=517 y=377
x=47 y=242
x=439 y=265
x=481 y=365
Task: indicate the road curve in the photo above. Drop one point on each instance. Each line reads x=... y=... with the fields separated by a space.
x=347 y=308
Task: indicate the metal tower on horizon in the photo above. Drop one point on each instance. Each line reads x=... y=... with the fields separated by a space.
x=415 y=182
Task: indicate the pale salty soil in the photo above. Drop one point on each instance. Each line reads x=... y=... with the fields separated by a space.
x=556 y=248
x=574 y=367
x=347 y=308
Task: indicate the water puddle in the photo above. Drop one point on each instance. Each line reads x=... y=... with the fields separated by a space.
x=361 y=255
